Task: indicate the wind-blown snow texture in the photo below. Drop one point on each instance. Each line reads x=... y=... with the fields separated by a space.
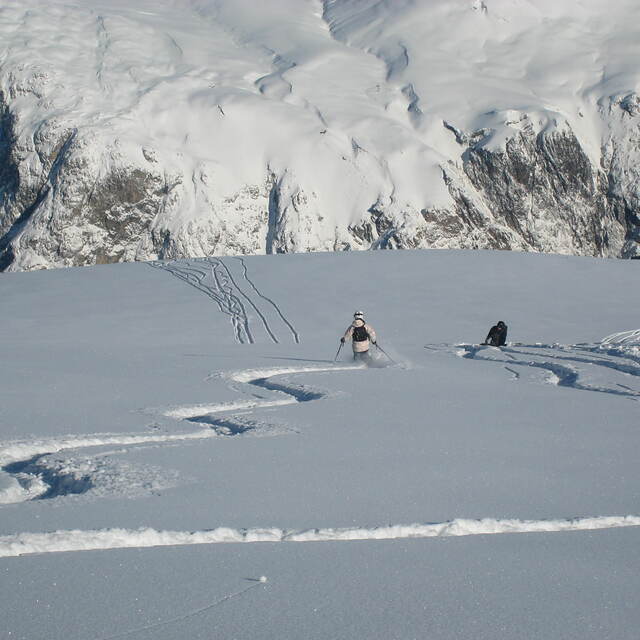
x=138 y=130
x=173 y=432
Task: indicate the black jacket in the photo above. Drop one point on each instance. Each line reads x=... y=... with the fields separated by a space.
x=497 y=336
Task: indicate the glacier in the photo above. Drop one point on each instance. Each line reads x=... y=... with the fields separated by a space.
x=143 y=130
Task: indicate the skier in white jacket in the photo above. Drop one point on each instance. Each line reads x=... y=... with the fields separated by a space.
x=362 y=335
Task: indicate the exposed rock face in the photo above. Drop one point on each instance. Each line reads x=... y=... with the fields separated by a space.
x=621 y=163
x=540 y=193
x=546 y=192
x=257 y=168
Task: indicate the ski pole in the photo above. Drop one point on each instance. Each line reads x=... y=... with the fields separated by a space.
x=385 y=353
x=338 y=351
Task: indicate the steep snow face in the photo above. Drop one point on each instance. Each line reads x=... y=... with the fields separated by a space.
x=137 y=130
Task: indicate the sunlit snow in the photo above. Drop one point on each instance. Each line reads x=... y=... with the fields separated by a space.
x=181 y=456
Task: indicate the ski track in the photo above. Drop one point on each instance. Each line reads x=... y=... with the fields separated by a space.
x=92 y=540
x=215 y=278
x=237 y=310
x=623 y=337
x=218 y=291
x=516 y=375
x=189 y=614
x=287 y=393
x=292 y=329
x=20 y=455
x=22 y=461
x=265 y=324
x=558 y=360
x=631 y=369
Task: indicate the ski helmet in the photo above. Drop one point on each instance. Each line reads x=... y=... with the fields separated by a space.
x=358 y=314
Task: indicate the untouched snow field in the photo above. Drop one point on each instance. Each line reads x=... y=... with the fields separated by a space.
x=181 y=457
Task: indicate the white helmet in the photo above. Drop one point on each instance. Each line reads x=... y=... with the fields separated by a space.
x=358 y=314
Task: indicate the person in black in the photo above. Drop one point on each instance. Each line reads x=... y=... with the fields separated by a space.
x=497 y=336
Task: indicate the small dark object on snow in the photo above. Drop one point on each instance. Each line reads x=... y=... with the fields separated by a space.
x=497 y=336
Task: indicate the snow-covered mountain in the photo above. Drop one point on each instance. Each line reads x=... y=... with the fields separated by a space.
x=131 y=130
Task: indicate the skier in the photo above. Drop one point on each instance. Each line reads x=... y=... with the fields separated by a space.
x=497 y=336
x=362 y=335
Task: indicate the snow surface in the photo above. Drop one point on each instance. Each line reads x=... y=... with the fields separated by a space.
x=187 y=433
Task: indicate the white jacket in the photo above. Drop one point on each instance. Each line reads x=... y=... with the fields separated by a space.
x=360 y=345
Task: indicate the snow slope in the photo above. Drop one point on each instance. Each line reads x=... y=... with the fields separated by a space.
x=137 y=130
x=183 y=425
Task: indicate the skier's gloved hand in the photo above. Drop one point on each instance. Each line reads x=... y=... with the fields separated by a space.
x=374 y=342
x=341 y=340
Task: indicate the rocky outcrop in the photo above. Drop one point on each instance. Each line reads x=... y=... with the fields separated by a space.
x=621 y=165
x=546 y=192
x=539 y=192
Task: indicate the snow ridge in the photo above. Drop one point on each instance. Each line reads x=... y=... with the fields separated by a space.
x=77 y=540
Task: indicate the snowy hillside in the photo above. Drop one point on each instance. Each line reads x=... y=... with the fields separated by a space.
x=181 y=457
x=136 y=130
